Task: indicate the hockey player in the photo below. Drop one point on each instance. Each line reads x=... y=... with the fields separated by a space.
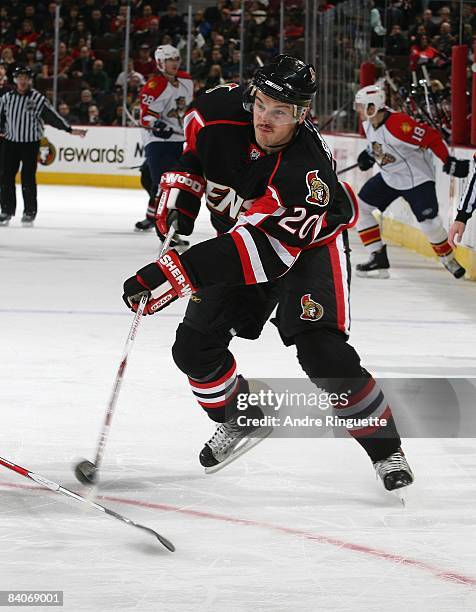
x=281 y=215
x=465 y=210
x=164 y=100
x=403 y=150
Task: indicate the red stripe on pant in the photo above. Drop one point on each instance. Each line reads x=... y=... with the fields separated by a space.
x=338 y=285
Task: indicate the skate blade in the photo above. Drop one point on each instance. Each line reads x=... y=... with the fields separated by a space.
x=246 y=445
x=373 y=274
x=27 y=223
x=142 y=231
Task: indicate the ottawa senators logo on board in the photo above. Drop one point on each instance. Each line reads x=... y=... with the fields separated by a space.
x=318 y=191
x=311 y=310
x=46 y=152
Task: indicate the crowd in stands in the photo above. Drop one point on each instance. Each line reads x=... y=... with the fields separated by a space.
x=413 y=33
x=92 y=33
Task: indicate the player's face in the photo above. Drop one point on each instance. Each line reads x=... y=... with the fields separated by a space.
x=274 y=121
x=171 y=66
x=22 y=82
x=364 y=111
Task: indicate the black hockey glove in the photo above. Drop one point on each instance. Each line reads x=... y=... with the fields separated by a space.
x=163 y=281
x=456 y=167
x=161 y=130
x=365 y=161
x=179 y=201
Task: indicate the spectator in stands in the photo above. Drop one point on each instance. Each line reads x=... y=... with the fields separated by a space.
x=397 y=43
x=93 y=115
x=78 y=35
x=144 y=63
x=73 y=18
x=30 y=13
x=8 y=60
x=29 y=59
x=172 y=24
x=118 y=112
x=96 y=23
x=422 y=53
x=26 y=36
x=231 y=69
x=214 y=77
x=151 y=36
x=97 y=78
x=444 y=41
x=5 y=84
x=131 y=73
x=65 y=112
x=215 y=57
x=83 y=64
x=431 y=27
x=267 y=49
x=198 y=66
x=142 y=23
x=378 y=31
x=64 y=62
x=47 y=47
x=81 y=109
x=201 y=25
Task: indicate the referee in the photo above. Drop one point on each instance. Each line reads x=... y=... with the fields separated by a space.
x=23 y=112
x=466 y=207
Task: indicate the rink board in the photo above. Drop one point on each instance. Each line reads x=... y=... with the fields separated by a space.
x=110 y=156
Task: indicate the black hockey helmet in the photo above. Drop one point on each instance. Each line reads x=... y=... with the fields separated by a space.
x=286 y=79
x=22 y=70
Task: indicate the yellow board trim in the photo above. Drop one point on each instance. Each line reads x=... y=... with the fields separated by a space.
x=95 y=180
x=414 y=239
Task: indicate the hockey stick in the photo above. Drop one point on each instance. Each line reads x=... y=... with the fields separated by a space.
x=347 y=169
x=145 y=127
x=53 y=486
x=86 y=471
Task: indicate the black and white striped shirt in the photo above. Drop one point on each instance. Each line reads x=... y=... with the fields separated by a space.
x=22 y=116
x=468 y=201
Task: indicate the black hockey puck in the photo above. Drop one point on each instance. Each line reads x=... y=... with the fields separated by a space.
x=85 y=472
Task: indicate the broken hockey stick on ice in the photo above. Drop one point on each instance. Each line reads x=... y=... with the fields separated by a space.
x=86 y=471
x=53 y=486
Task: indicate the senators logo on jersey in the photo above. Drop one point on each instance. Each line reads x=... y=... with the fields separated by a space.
x=382 y=158
x=311 y=310
x=318 y=191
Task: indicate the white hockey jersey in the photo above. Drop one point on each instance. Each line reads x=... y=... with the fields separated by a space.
x=403 y=148
x=167 y=102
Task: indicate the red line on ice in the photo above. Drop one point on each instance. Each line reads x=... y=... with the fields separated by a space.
x=322 y=539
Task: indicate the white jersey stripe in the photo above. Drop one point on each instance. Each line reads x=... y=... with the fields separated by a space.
x=253 y=254
x=345 y=279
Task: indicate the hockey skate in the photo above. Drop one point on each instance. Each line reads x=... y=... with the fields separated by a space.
x=454 y=267
x=376 y=267
x=5 y=219
x=229 y=442
x=144 y=226
x=27 y=220
x=395 y=473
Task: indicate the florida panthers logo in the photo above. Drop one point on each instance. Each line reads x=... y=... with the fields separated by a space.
x=382 y=158
x=311 y=310
x=46 y=152
x=318 y=191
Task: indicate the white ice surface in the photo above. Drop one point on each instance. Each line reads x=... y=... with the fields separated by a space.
x=321 y=533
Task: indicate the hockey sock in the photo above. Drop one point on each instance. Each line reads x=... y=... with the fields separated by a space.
x=380 y=437
x=437 y=236
x=218 y=393
x=368 y=229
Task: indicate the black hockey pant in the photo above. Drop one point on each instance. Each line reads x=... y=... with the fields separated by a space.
x=16 y=153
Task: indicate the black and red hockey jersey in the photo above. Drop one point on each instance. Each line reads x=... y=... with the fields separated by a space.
x=267 y=208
